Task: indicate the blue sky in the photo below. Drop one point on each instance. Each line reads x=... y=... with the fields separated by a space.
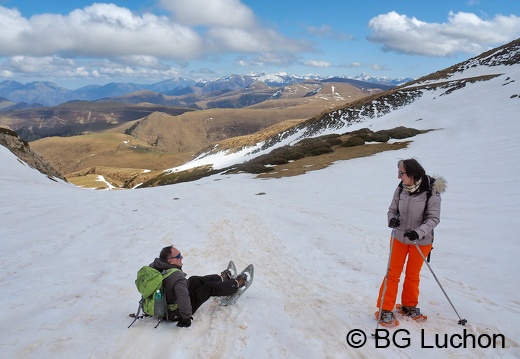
x=75 y=43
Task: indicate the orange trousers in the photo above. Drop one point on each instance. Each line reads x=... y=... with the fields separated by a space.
x=410 y=292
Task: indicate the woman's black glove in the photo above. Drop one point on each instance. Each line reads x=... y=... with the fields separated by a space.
x=184 y=323
x=394 y=223
x=412 y=235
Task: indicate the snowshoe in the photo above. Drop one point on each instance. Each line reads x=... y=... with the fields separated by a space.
x=387 y=318
x=230 y=272
x=410 y=312
x=246 y=276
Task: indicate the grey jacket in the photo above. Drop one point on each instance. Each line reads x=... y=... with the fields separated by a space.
x=413 y=213
x=176 y=288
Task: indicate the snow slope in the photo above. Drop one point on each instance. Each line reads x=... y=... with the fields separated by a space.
x=319 y=243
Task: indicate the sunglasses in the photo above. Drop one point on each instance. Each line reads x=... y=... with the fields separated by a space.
x=178 y=256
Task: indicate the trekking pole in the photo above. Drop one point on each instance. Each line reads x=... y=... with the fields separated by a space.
x=461 y=321
x=385 y=281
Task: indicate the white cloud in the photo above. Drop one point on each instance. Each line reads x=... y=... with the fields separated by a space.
x=230 y=26
x=317 y=63
x=46 y=64
x=224 y=39
x=268 y=59
x=227 y=13
x=359 y=65
x=464 y=32
x=12 y=24
x=197 y=30
x=100 y=30
x=354 y=65
x=53 y=67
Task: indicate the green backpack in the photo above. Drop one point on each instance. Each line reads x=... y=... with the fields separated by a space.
x=149 y=283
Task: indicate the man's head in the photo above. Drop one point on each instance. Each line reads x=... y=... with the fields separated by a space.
x=171 y=255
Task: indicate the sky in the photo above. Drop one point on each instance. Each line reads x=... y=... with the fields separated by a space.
x=75 y=43
x=319 y=242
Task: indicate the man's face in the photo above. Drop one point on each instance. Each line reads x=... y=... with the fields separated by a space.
x=175 y=257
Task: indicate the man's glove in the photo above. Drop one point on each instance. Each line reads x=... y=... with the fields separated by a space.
x=412 y=235
x=394 y=223
x=184 y=323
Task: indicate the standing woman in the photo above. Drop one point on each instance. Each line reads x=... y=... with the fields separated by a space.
x=413 y=213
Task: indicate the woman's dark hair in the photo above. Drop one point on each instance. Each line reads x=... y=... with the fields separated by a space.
x=412 y=168
x=166 y=253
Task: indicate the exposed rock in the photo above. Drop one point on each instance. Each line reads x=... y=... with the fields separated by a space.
x=23 y=151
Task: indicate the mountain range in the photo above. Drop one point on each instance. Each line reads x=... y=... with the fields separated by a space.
x=15 y=95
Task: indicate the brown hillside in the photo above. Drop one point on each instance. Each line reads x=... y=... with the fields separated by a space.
x=77 y=117
x=72 y=154
x=195 y=130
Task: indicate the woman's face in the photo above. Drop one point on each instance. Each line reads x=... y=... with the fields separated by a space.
x=403 y=176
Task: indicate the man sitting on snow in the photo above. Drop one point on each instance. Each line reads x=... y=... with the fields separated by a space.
x=190 y=294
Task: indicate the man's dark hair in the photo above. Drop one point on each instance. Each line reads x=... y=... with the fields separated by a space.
x=412 y=168
x=166 y=253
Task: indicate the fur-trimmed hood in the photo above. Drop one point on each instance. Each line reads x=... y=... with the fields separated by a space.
x=438 y=184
